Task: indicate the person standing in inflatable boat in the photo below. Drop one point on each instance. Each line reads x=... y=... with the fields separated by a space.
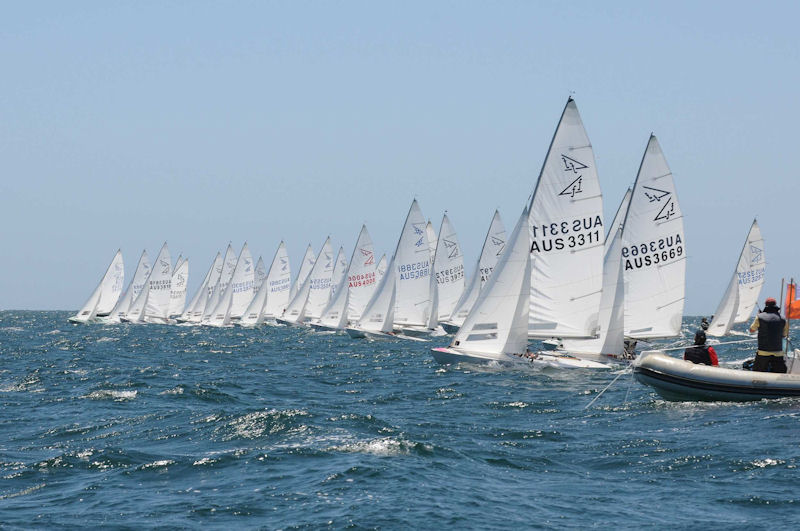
x=772 y=328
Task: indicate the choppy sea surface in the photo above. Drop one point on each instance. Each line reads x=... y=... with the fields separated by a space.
x=149 y=426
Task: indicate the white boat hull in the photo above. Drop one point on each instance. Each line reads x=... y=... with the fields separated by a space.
x=449 y=356
x=677 y=380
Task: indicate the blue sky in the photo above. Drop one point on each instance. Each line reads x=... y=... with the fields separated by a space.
x=128 y=124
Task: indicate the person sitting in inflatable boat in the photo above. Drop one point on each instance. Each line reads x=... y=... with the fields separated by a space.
x=700 y=352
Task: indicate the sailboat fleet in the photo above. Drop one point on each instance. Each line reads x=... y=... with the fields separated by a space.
x=563 y=275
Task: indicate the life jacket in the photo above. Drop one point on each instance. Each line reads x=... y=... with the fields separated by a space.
x=698 y=354
x=770 y=331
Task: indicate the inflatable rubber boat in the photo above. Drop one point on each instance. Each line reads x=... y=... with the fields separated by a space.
x=676 y=379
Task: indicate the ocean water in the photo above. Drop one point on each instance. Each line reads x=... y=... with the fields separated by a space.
x=280 y=428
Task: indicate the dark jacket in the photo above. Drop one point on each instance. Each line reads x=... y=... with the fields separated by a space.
x=770 y=331
x=701 y=354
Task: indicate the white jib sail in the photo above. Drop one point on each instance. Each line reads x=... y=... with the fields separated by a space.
x=237 y=293
x=497 y=325
x=431 y=233
x=319 y=293
x=413 y=271
x=259 y=274
x=723 y=318
x=493 y=247
x=177 y=295
x=194 y=311
x=279 y=282
x=380 y=269
x=378 y=316
x=741 y=297
x=361 y=276
x=335 y=313
x=305 y=268
x=449 y=268
x=339 y=271
x=159 y=286
x=653 y=251
x=120 y=311
x=228 y=266
x=610 y=339
x=106 y=294
x=567 y=235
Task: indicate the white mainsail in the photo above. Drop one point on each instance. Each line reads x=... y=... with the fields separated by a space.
x=653 y=251
x=106 y=294
x=497 y=324
x=194 y=310
x=237 y=293
x=138 y=282
x=305 y=268
x=741 y=297
x=413 y=271
x=177 y=295
x=228 y=266
x=493 y=247
x=567 y=235
x=449 y=268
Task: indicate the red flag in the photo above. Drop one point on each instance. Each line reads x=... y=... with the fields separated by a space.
x=792 y=305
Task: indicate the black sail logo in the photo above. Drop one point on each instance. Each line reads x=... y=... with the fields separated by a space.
x=452 y=248
x=576 y=186
x=756 y=255
x=654 y=195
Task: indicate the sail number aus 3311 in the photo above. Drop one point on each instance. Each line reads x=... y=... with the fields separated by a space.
x=571 y=234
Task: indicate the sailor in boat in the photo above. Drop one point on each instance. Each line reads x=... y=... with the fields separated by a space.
x=704 y=323
x=772 y=328
x=701 y=353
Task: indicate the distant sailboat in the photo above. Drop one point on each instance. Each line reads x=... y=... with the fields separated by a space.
x=273 y=295
x=313 y=294
x=238 y=292
x=105 y=296
x=355 y=289
x=135 y=287
x=741 y=297
x=228 y=266
x=377 y=320
x=152 y=304
x=194 y=310
x=493 y=247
